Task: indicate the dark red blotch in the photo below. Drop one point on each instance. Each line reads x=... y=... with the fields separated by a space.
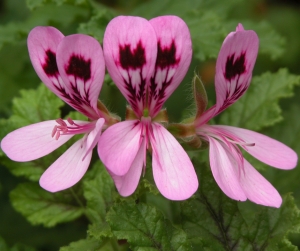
x=132 y=58
x=50 y=66
x=234 y=67
x=166 y=56
x=79 y=67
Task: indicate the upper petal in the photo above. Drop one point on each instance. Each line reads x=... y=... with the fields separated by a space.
x=42 y=45
x=234 y=66
x=225 y=170
x=81 y=66
x=68 y=169
x=118 y=146
x=130 y=48
x=257 y=188
x=32 y=142
x=127 y=183
x=173 y=171
x=266 y=149
x=174 y=53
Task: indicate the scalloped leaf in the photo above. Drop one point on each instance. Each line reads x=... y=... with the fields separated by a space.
x=145 y=228
x=41 y=207
x=215 y=222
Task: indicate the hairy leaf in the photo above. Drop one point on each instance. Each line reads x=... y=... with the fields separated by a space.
x=215 y=222
x=35 y=106
x=270 y=41
x=32 y=4
x=16 y=247
x=97 y=24
x=42 y=207
x=259 y=107
x=86 y=244
x=145 y=228
x=98 y=189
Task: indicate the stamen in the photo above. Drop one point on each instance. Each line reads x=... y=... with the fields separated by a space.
x=54 y=131
x=73 y=128
x=71 y=122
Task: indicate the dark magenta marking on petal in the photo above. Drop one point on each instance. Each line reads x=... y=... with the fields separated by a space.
x=132 y=59
x=79 y=67
x=234 y=67
x=81 y=104
x=166 y=56
x=50 y=66
x=135 y=97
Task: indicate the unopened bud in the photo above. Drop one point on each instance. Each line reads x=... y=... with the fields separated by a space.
x=199 y=95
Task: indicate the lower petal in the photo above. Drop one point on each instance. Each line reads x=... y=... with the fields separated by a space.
x=94 y=136
x=266 y=149
x=173 y=171
x=224 y=170
x=118 y=146
x=258 y=189
x=127 y=183
x=68 y=169
x=32 y=142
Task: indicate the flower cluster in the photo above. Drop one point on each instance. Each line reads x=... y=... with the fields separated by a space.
x=147 y=60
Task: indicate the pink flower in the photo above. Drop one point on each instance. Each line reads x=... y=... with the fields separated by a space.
x=237 y=178
x=73 y=68
x=147 y=60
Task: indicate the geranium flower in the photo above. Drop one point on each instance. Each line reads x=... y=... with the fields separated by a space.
x=147 y=61
x=237 y=178
x=73 y=68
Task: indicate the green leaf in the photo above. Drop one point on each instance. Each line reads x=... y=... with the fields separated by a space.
x=207 y=32
x=3 y=245
x=270 y=41
x=32 y=4
x=42 y=207
x=86 y=244
x=35 y=106
x=91 y=244
x=15 y=32
x=215 y=222
x=145 y=228
x=259 y=107
x=16 y=247
x=98 y=190
x=97 y=24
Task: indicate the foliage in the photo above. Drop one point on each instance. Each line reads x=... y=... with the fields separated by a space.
x=147 y=221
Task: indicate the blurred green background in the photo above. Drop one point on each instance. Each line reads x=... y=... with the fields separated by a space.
x=17 y=17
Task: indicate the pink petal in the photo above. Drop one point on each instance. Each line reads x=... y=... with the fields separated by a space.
x=81 y=66
x=174 y=55
x=128 y=183
x=42 y=46
x=257 y=188
x=130 y=48
x=266 y=149
x=94 y=136
x=68 y=169
x=224 y=170
x=32 y=142
x=119 y=145
x=234 y=66
x=173 y=170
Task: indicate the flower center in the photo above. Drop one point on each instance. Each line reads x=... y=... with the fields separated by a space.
x=69 y=127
